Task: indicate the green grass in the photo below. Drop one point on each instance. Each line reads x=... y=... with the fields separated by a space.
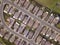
x=1 y=41
x=58 y=25
x=51 y=4
x=27 y=27
x=0 y=1
x=5 y=42
x=6 y=15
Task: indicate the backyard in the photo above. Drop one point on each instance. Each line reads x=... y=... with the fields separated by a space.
x=5 y=42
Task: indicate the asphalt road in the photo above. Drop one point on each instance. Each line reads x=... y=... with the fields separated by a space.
x=10 y=30
x=39 y=29
x=33 y=16
x=28 y=13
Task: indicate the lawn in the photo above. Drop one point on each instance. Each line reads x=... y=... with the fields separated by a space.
x=58 y=25
x=1 y=41
x=51 y=4
x=6 y=16
x=5 y=42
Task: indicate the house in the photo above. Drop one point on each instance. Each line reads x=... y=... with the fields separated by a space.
x=31 y=7
x=7 y=36
x=30 y=23
x=22 y=2
x=26 y=4
x=30 y=35
x=16 y=1
x=26 y=19
x=48 y=33
x=17 y=41
x=25 y=32
x=23 y=42
x=43 y=41
x=21 y=28
x=16 y=15
x=12 y=10
x=1 y=35
x=1 y=43
x=22 y=16
x=2 y=32
x=7 y=8
x=54 y=34
x=51 y=36
x=44 y=30
x=35 y=10
x=47 y=43
x=57 y=38
x=51 y=18
x=44 y=15
x=11 y=22
x=12 y=38
x=37 y=31
x=16 y=25
x=40 y=12
x=36 y=24
x=55 y=21
x=38 y=40
x=0 y=19
x=30 y=44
